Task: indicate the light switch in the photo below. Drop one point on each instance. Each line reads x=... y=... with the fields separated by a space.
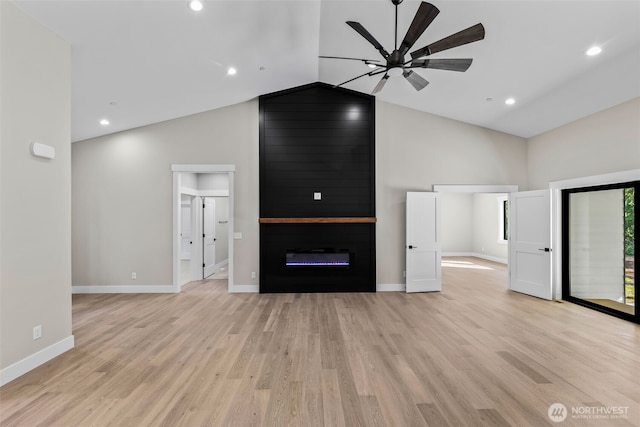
x=317 y=195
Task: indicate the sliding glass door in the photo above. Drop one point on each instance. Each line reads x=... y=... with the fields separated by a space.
x=599 y=248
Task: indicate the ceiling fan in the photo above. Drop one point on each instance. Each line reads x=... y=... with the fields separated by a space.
x=397 y=65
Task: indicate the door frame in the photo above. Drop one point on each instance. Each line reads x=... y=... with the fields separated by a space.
x=566 y=274
x=177 y=170
x=556 y=216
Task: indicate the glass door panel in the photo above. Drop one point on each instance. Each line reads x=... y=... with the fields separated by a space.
x=599 y=248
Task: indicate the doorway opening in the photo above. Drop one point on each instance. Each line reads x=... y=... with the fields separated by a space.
x=203 y=223
x=474 y=228
x=600 y=243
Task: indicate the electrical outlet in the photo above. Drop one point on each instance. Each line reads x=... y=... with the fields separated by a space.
x=37 y=332
x=134 y=276
x=253 y=275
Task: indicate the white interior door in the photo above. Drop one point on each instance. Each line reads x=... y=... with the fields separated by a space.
x=529 y=243
x=423 y=254
x=209 y=238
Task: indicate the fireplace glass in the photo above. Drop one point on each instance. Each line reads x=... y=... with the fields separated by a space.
x=318 y=258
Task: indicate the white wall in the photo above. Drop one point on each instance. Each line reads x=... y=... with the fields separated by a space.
x=414 y=151
x=35 y=195
x=133 y=169
x=602 y=143
x=486 y=227
x=222 y=229
x=185 y=227
x=456 y=223
x=213 y=181
x=189 y=180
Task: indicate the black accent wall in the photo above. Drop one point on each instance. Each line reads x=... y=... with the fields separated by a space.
x=317 y=139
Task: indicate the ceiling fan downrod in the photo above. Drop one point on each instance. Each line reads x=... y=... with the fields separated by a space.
x=395 y=30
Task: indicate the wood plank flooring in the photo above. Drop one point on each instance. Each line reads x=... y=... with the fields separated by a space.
x=474 y=354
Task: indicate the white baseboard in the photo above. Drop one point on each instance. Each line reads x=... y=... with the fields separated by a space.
x=478 y=255
x=123 y=290
x=29 y=363
x=390 y=287
x=221 y=264
x=239 y=289
x=457 y=254
x=491 y=258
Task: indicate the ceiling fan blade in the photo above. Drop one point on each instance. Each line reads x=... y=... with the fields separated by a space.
x=352 y=59
x=367 y=35
x=424 y=16
x=415 y=79
x=370 y=73
x=443 y=64
x=380 y=84
x=469 y=35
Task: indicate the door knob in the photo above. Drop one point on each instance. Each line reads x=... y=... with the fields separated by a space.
x=545 y=249
x=413 y=247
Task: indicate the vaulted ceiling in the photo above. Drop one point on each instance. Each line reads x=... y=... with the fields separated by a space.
x=141 y=62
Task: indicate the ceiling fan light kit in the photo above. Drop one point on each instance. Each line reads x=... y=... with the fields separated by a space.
x=395 y=71
x=395 y=62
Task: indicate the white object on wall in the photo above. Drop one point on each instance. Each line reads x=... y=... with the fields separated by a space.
x=43 y=150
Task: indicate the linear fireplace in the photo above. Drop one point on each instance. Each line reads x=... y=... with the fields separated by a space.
x=318 y=257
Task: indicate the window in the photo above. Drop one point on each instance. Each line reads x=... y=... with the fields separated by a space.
x=503 y=214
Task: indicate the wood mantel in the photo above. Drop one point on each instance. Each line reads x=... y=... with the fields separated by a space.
x=323 y=220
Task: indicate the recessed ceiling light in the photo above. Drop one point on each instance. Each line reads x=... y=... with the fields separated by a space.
x=104 y=122
x=195 y=5
x=510 y=101
x=594 y=50
x=231 y=71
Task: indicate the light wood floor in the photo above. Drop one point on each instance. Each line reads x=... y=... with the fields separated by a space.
x=474 y=354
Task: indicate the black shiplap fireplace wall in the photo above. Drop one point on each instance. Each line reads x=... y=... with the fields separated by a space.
x=317 y=188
